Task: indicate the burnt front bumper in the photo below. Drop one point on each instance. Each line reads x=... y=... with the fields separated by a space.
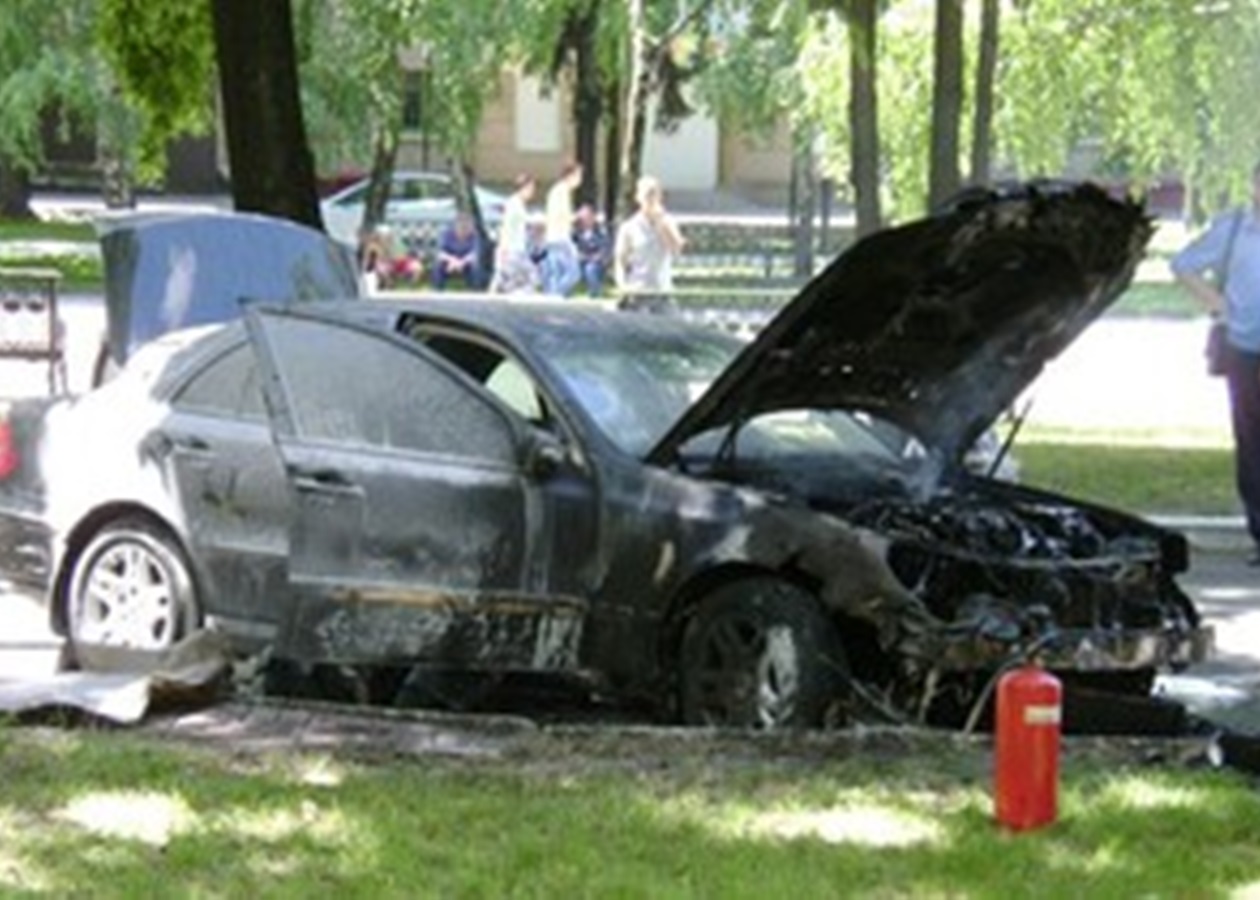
x=1085 y=650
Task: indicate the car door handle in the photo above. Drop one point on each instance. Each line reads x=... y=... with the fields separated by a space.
x=158 y=445
x=323 y=480
x=191 y=443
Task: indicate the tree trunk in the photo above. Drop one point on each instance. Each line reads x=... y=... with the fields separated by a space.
x=117 y=183
x=384 y=153
x=612 y=155
x=15 y=192
x=805 y=202
x=117 y=131
x=863 y=114
x=272 y=168
x=944 y=178
x=642 y=54
x=986 y=73
x=588 y=102
x=466 y=180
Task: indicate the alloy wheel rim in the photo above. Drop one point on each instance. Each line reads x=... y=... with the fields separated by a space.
x=748 y=674
x=128 y=600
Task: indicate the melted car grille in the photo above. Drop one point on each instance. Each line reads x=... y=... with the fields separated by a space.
x=959 y=554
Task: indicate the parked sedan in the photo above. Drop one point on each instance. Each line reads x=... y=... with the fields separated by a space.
x=417 y=201
x=774 y=534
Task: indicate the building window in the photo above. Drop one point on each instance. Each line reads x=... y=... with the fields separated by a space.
x=415 y=87
x=537 y=117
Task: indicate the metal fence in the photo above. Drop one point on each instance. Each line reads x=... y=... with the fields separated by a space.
x=720 y=254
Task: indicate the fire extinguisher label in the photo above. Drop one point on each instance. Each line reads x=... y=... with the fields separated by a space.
x=1042 y=715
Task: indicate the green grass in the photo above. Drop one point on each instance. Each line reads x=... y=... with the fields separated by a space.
x=1155 y=298
x=109 y=815
x=1148 y=472
x=39 y=230
x=79 y=273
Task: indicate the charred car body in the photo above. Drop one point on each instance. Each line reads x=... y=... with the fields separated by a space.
x=773 y=534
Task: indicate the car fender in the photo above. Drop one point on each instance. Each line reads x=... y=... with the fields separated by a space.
x=843 y=566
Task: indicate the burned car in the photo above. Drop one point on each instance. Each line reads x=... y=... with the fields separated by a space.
x=773 y=534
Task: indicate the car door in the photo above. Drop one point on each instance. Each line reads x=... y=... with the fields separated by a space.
x=566 y=558
x=216 y=442
x=416 y=505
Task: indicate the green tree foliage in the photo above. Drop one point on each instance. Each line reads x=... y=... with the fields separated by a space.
x=352 y=54
x=1156 y=87
x=903 y=75
x=46 y=69
x=1161 y=86
x=161 y=56
x=750 y=78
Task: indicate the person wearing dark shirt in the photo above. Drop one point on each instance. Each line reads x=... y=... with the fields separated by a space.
x=592 y=244
x=459 y=255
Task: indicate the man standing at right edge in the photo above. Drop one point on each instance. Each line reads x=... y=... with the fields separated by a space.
x=1228 y=254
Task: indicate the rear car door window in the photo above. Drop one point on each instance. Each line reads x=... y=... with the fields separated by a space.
x=229 y=386
x=348 y=386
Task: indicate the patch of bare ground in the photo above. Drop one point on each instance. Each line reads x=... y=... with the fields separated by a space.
x=378 y=735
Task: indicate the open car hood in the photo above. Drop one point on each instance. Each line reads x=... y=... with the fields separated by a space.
x=937 y=325
x=169 y=271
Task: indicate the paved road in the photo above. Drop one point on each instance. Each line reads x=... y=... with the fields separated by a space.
x=1134 y=373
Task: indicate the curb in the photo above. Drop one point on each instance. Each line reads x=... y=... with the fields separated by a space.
x=1209 y=533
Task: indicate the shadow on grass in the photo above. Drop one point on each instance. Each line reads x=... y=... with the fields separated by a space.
x=112 y=815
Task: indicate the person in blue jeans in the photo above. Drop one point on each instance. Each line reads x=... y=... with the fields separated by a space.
x=590 y=239
x=459 y=255
x=1221 y=270
x=559 y=269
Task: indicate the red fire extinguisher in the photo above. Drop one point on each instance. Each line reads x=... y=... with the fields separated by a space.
x=1026 y=776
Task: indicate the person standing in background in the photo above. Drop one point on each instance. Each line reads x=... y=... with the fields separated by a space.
x=560 y=267
x=513 y=268
x=1221 y=270
x=647 y=243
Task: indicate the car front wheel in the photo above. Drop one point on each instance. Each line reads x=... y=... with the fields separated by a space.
x=130 y=589
x=760 y=653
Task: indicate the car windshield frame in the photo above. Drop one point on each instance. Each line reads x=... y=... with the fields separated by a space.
x=632 y=386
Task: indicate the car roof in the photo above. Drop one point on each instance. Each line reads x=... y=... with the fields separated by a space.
x=535 y=323
x=528 y=327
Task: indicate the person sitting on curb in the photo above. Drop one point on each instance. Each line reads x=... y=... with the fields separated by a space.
x=592 y=245
x=459 y=255
x=383 y=266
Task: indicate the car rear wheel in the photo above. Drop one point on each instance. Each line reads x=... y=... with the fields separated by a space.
x=130 y=589
x=760 y=653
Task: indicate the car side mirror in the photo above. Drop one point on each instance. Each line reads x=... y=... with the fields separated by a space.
x=545 y=455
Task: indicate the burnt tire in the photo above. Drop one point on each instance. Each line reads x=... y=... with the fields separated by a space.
x=130 y=591
x=760 y=653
